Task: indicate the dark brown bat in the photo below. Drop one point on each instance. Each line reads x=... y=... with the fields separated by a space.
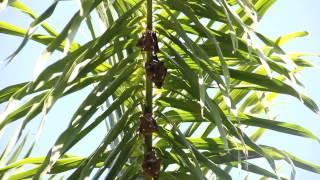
x=156 y=71
x=149 y=42
x=151 y=164
x=148 y=124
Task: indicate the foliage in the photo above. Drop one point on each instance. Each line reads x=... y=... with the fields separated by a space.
x=218 y=78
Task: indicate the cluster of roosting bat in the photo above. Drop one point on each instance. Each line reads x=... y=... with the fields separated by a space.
x=155 y=69
x=156 y=72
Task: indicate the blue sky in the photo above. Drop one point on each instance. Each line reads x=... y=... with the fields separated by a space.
x=286 y=16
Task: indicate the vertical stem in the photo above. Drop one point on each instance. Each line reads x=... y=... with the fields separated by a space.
x=148 y=108
x=148 y=103
x=149 y=14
